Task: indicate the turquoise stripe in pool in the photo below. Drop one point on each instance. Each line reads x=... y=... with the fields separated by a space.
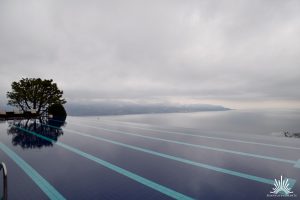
x=201 y=136
x=297 y=165
x=194 y=145
x=43 y=184
x=201 y=165
x=167 y=191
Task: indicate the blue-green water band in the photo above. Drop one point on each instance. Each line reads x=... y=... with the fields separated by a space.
x=45 y=186
x=164 y=190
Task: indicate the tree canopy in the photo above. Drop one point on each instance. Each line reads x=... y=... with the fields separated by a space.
x=35 y=93
x=58 y=112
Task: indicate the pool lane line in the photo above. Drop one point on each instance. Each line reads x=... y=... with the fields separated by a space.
x=194 y=145
x=151 y=184
x=197 y=164
x=42 y=183
x=297 y=165
x=196 y=135
x=51 y=126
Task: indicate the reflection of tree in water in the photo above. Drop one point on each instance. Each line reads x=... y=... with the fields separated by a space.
x=27 y=140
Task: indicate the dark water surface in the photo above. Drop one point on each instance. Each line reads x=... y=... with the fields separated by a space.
x=209 y=155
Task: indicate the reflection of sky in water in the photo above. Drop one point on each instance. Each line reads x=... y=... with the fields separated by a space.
x=258 y=122
x=193 y=177
x=78 y=178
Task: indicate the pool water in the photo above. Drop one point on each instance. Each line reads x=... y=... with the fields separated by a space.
x=125 y=157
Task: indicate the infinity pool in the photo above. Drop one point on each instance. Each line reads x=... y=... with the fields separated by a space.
x=122 y=158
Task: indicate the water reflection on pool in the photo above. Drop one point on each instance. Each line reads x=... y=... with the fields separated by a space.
x=126 y=157
x=28 y=141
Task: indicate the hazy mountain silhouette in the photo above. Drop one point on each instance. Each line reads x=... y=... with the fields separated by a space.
x=123 y=108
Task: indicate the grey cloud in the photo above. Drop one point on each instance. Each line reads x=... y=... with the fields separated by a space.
x=154 y=49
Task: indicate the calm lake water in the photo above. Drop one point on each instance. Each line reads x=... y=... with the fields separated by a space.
x=206 y=155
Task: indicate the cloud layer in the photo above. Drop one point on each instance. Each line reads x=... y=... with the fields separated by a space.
x=222 y=51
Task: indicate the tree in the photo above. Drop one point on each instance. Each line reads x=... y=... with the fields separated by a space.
x=57 y=111
x=34 y=93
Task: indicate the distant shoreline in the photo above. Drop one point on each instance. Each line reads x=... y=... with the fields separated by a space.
x=129 y=108
x=150 y=113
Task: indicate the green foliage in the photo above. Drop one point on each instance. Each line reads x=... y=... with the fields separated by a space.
x=34 y=93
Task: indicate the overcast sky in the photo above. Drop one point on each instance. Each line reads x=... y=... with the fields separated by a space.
x=233 y=53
